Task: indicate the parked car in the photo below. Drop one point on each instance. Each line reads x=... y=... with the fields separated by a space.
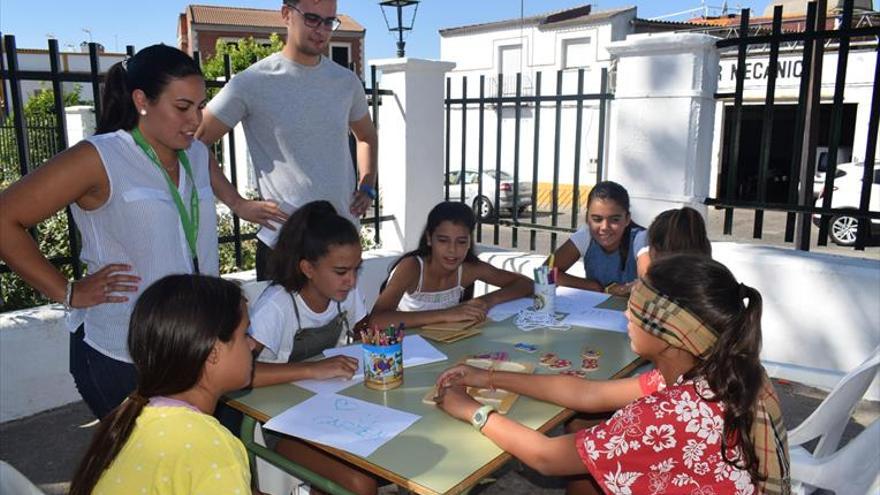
x=847 y=194
x=483 y=205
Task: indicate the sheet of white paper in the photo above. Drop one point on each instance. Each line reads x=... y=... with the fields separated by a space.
x=507 y=309
x=269 y=236
x=416 y=351
x=349 y=424
x=570 y=300
x=605 y=319
x=330 y=385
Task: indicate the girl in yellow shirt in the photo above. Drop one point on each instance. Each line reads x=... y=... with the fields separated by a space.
x=188 y=343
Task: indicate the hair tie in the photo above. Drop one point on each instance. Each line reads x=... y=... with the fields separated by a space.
x=743 y=291
x=138 y=399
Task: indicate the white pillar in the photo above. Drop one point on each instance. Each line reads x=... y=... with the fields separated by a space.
x=411 y=165
x=662 y=120
x=80 y=121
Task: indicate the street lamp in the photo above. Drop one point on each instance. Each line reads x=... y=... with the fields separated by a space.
x=398 y=6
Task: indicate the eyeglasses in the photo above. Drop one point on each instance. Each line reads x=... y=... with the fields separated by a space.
x=314 y=20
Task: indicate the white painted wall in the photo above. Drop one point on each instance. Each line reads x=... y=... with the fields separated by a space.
x=477 y=53
x=411 y=147
x=661 y=124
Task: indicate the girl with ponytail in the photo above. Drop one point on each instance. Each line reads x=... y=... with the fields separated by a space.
x=608 y=243
x=311 y=304
x=705 y=420
x=676 y=231
x=142 y=194
x=189 y=345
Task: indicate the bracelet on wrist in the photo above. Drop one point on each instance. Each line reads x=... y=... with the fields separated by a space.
x=492 y=378
x=68 y=296
x=369 y=190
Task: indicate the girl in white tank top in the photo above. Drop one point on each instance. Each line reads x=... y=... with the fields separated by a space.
x=434 y=283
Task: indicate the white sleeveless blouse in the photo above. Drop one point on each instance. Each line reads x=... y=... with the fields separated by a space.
x=140 y=225
x=427 y=301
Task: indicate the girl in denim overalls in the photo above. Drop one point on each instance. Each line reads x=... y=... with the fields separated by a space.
x=311 y=304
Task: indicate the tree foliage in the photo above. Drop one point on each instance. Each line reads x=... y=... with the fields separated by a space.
x=241 y=55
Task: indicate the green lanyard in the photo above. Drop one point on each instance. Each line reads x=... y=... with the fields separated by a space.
x=190 y=221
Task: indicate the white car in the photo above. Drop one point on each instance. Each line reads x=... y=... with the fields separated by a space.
x=484 y=205
x=847 y=194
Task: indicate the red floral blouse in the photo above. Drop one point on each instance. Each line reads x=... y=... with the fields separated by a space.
x=668 y=441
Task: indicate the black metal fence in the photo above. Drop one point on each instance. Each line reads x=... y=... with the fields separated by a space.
x=510 y=96
x=813 y=37
x=25 y=137
x=43 y=143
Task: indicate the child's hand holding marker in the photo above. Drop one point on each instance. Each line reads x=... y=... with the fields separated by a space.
x=333 y=367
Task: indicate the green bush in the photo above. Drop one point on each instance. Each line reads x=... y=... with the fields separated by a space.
x=52 y=240
x=227 y=250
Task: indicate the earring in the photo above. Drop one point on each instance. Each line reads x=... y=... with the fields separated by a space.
x=143 y=112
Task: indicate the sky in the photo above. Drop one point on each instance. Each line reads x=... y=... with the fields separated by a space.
x=117 y=23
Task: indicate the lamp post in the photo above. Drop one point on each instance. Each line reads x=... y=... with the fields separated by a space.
x=396 y=7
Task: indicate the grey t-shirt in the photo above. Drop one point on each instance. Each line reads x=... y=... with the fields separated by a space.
x=296 y=121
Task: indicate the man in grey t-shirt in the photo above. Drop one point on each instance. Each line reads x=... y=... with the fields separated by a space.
x=297 y=108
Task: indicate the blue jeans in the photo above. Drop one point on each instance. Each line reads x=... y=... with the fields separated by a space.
x=103 y=382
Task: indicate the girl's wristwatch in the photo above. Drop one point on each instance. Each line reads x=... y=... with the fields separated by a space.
x=481 y=415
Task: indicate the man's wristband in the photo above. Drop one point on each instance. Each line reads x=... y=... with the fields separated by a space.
x=368 y=190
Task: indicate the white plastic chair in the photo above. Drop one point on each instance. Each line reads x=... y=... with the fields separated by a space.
x=855 y=468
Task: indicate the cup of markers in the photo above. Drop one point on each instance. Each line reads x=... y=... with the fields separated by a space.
x=545 y=289
x=383 y=357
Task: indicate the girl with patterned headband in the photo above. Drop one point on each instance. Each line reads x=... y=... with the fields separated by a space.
x=706 y=420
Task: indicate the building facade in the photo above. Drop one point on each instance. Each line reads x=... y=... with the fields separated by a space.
x=576 y=39
x=569 y=41
x=201 y=27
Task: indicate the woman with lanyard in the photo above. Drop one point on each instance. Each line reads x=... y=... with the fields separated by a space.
x=141 y=193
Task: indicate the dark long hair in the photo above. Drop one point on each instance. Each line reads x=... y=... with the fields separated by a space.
x=308 y=235
x=149 y=70
x=732 y=367
x=612 y=191
x=173 y=328
x=679 y=231
x=447 y=211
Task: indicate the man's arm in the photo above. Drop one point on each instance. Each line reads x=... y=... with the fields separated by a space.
x=367 y=157
x=211 y=129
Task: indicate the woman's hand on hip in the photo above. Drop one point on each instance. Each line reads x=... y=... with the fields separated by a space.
x=107 y=285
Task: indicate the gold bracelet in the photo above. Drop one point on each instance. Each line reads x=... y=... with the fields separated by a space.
x=492 y=377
